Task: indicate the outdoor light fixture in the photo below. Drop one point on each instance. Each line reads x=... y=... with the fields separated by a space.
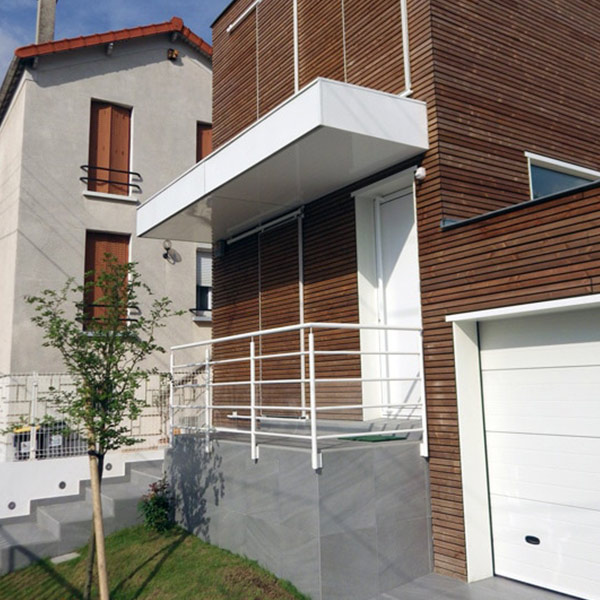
x=172 y=54
x=167 y=250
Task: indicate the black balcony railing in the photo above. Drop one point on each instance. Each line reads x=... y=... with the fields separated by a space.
x=87 y=179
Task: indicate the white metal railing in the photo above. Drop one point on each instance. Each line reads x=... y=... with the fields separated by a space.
x=399 y=395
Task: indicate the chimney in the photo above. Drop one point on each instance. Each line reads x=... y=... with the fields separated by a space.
x=46 y=14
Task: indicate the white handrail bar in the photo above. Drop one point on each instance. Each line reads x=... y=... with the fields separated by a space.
x=335 y=436
x=274 y=330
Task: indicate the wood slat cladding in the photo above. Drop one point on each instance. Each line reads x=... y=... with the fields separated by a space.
x=235 y=310
x=320 y=40
x=275 y=53
x=331 y=295
x=256 y=287
x=512 y=77
x=373 y=42
x=346 y=40
x=235 y=89
x=279 y=306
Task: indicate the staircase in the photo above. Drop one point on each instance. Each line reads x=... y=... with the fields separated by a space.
x=58 y=526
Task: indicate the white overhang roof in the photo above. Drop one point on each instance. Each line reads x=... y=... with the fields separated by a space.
x=326 y=137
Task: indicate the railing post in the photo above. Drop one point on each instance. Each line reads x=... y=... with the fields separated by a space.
x=32 y=417
x=171 y=399
x=207 y=401
x=316 y=457
x=425 y=438
x=254 y=446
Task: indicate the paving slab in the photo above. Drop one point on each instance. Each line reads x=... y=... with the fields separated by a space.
x=437 y=587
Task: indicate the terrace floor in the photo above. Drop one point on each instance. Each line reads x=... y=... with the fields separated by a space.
x=436 y=587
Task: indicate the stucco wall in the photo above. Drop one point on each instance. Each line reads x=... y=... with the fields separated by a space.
x=11 y=146
x=167 y=99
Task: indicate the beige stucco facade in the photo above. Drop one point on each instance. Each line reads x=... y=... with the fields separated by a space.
x=45 y=210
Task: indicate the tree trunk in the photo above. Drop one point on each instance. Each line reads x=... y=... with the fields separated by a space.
x=98 y=527
x=87 y=593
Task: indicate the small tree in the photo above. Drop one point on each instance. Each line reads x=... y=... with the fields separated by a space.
x=104 y=340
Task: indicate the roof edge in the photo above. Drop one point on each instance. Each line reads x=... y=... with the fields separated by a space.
x=175 y=25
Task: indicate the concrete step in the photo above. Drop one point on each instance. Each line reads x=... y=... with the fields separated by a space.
x=57 y=527
x=24 y=543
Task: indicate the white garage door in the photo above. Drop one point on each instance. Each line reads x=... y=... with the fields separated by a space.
x=541 y=389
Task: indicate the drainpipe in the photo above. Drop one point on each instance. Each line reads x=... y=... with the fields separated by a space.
x=46 y=16
x=405 y=50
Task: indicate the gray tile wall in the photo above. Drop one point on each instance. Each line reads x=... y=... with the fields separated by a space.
x=358 y=528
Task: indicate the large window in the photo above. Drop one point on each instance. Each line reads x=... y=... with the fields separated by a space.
x=203 y=140
x=108 y=162
x=97 y=245
x=203 y=282
x=549 y=176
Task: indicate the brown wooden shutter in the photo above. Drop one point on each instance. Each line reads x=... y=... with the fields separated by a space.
x=97 y=245
x=119 y=149
x=203 y=140
x=109 y=147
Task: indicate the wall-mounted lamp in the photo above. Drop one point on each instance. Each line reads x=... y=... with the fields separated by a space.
x=109 y=48
x=167 y=250
x=172 y=54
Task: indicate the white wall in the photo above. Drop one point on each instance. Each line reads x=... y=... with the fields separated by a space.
x=11 y=145
x=168 y=98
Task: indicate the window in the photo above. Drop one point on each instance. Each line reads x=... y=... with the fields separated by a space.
x=203 y=282
x=97 y=245
x=108 y=161
x=550 y=176
x=203 y=140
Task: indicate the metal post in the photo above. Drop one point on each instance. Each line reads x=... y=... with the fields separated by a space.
x=171 y=403
x=316 y=457
x=254 y=446
x=425 y=439
x=207 y=402
x=32 y=416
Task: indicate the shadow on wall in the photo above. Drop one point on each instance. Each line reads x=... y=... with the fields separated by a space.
x=197 y=481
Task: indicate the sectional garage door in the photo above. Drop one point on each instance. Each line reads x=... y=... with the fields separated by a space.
x=541 y=389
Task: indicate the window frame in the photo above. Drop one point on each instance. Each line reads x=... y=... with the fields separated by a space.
x=560 y=166
x=203 y=314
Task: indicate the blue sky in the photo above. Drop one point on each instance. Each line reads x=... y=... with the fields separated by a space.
x=82 y=17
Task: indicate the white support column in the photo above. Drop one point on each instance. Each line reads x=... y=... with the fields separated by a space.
x=316 y=456
x=253 y=444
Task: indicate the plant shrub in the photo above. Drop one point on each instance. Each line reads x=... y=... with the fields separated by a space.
x=156 y=506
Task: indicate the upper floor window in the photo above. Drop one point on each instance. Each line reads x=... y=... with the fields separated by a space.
x=110 y=140
x=203 y=282
x=203 y=140
x=549 y=176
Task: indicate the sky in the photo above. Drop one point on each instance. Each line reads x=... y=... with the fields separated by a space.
x=82 y=17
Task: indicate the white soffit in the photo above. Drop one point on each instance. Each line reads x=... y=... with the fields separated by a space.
x=327 y=136
x=523 y=310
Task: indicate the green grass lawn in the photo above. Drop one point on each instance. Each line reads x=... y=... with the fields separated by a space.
x=147 y=565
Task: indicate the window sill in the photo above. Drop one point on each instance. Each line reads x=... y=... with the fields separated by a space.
x=202 y=316
x=111 y=197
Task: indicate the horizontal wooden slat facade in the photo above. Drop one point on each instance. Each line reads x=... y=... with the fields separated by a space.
x=512 y=77
x=346 y=40
x=257 y=286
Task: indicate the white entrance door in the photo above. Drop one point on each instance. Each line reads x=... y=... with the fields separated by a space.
x=399 y=302
x=541 y=389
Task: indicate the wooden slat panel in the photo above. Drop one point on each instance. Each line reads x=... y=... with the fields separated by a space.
x=99 y=151
x=203 y=140
x=120 y=127
x=97 y=245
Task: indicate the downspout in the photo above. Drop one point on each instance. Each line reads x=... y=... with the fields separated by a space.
x=296 y=54
x=405 y=51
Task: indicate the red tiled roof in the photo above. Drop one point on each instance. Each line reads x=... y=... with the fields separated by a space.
x=174 y=25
